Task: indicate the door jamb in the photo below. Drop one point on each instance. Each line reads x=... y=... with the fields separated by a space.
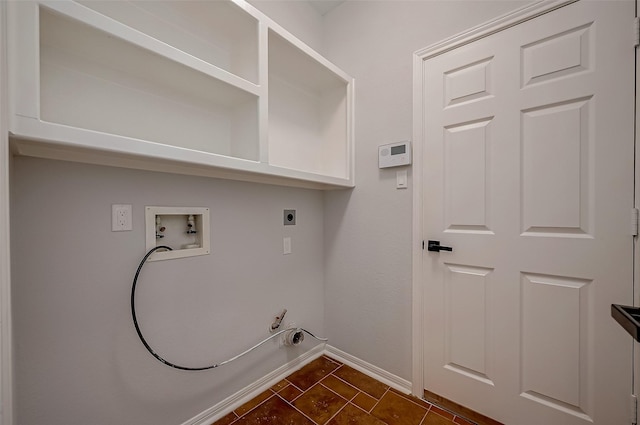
x=636 y=242
x=419 y=57
x=6 y=338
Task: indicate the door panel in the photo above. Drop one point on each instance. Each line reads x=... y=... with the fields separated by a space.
x=554 y=315
x=467 y=334
x=528 y=174
x=556 y=169
x=465 y=165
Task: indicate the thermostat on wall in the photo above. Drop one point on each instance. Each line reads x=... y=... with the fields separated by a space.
x=394 y=154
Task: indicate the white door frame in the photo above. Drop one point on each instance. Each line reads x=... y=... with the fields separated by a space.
x=499 y=24
x=636 y=244
x=6 y=346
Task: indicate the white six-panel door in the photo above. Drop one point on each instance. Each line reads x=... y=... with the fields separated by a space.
x=528 y=171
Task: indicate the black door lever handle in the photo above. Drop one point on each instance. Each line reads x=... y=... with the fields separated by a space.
x=436 y=247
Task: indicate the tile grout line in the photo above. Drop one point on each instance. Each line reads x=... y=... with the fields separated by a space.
x=463 y=418
x=424 y=417
x=455 y=415
x=363 y=391
x=234 y=420
x=453 y=420
x=426 y=408
x=318 y=382
x=351 y=401
x=358 y=390
x=378 y=401
x=348 y=388
x=347 y=402
x=406 y=397
x=429 y=409
x=297 y=388
x=338 y=412
x=344 y=398
x=332 y=360
x=299 y=411
x=253 y=408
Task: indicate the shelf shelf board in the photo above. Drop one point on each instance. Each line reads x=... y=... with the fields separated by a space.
x=34 y=138
x=124 y=34
x=152 y=86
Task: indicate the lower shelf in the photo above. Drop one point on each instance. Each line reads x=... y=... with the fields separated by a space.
x=30 y=137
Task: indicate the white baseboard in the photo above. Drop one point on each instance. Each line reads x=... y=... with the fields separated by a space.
x=375 y=372
x=238 y=399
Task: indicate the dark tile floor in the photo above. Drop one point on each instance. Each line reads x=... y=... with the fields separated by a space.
x=326 y=391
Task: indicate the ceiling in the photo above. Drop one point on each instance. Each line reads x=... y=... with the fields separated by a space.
x=324 y=6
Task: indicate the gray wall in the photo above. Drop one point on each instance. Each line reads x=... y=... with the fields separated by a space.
x=77 y=357
x=297 y=17
x=368 y=231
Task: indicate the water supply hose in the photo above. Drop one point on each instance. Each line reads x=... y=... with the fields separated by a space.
x=173 y=365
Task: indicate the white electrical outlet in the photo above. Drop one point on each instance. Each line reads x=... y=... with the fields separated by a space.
x=121 y=220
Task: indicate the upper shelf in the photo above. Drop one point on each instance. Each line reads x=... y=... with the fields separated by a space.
x=177 y=86
x=216 y=32
x=308 y=111
x=92 y=80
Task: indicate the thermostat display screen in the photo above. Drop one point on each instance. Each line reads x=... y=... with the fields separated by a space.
x=396 y=150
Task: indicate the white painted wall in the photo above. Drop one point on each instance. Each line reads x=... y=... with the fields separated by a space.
x=78 y=359
x=368 y=231
x=297 y=17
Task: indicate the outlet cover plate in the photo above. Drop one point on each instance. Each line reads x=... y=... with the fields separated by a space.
x=121 y=220
x=289 y=217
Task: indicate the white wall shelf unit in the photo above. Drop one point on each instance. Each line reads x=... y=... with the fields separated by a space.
x=205 y=88
x=307 y=111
